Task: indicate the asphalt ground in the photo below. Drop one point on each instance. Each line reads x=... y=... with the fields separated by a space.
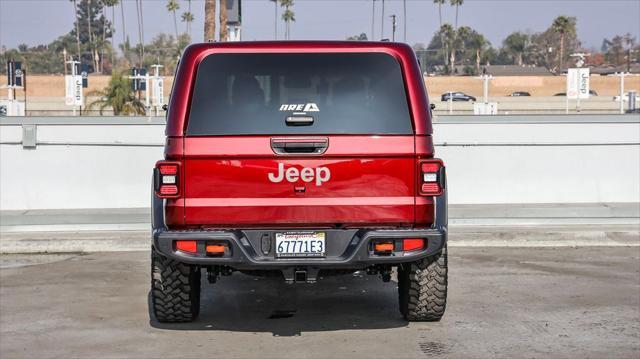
x=503 y=302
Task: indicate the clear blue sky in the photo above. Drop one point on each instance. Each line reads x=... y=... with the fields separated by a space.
x=41 y=21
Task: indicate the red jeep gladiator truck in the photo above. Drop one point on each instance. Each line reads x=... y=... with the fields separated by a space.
x=300 y=159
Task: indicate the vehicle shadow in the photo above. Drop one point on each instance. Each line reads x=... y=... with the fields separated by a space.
x=242 y=303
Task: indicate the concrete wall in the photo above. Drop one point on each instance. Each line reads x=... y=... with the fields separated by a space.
x=106 y=162
x=540 y=162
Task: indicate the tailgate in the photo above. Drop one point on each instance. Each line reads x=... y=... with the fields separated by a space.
x=348 y=180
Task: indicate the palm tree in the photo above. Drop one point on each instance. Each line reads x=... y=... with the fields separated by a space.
x=440 y=2
x=462 y=37
x=188 y=18
x=563 y=25
x=479 y=43
x=515 y=44
x=75 y=13
x=209 y=20
x=92 y=48
x=140 y=31
x=112 y=4
x=288 y=16
x=223 y=20
x=448 y=33
x=457 y=4
x=93 y=52
x=103 y=43
x=124 y=29
x=173 y=6
x=118 y=96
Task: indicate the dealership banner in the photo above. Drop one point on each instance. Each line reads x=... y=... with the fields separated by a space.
x=73 y=90
x=578 y=83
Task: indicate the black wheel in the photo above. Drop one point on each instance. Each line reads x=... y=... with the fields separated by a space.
x=422 y=288
x=175 y=289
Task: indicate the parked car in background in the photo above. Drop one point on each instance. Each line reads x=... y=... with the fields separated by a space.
x=519 y=94
x=457 y=96
x=591 y=93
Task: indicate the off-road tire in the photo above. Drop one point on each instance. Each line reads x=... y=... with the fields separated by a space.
x=422 y=288
x=175 y=289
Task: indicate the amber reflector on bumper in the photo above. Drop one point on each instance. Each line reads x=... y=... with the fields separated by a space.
x=216 y=248
x=383 y=247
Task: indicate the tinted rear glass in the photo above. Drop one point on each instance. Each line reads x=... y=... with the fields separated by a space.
x=337 y=93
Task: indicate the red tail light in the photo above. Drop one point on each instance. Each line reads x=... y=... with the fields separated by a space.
x=187 y=246
x=168 y=168
x=412 y=244
x=431 y=177
x=166 y=179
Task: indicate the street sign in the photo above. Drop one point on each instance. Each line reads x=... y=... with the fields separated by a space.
x=15 y=74
x=85 y=75
x=134 y=80
x=578 y=83
x=18 y=74
x=142 y=82
x=138 y=79
x=73 y=90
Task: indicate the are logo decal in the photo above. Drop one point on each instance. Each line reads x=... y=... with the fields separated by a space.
x=300 y=107
x=306 y=174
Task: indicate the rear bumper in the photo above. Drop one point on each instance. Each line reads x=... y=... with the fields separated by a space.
x=345 y=248
x=255 y=249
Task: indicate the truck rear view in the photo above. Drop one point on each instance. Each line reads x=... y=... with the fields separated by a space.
x=299 y=158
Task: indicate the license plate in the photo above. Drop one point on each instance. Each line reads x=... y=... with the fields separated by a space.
x=300 y=244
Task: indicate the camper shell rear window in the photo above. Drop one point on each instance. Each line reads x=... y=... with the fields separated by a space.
x=299 y=93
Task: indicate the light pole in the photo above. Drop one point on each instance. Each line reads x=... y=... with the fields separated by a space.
x=393 y=27
x=275 y=19
x=373 y=19
x=382 y=23
x=621 y=74
x=404 y=19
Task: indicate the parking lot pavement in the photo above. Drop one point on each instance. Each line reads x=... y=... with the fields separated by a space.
x=503 y=302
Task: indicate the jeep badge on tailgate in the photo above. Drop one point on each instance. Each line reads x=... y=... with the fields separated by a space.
x=307 y=174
